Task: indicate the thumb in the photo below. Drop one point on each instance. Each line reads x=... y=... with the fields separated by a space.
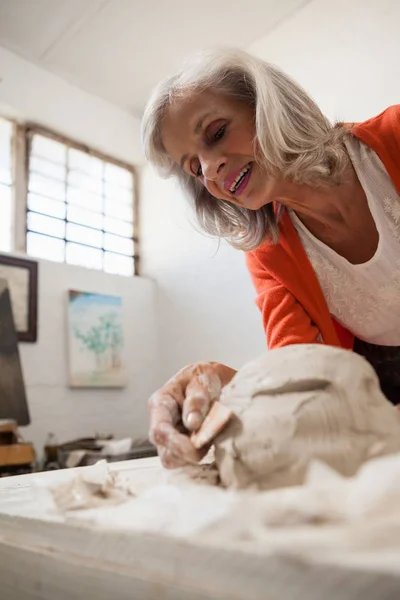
x=202 y=390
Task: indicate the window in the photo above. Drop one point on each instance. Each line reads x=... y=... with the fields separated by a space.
x=80 y=206
x=6 y=190
x=64 y=202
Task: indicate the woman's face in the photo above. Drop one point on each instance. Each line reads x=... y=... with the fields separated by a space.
x=212 y=137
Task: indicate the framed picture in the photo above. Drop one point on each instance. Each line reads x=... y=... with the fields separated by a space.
x=22 y=279
x=95 y=340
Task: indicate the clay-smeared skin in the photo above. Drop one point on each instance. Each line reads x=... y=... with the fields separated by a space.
x=184 y=400
x=300 y=403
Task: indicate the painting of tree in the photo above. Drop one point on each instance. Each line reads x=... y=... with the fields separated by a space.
x=96 y=340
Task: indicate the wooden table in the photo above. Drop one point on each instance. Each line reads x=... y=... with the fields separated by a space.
x=43 y=558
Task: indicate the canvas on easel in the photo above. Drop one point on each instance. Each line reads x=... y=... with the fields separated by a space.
x=13 y=402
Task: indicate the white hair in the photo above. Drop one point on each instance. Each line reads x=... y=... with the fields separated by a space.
x=295 y=141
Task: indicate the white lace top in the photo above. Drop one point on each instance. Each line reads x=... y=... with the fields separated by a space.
x=364 y=298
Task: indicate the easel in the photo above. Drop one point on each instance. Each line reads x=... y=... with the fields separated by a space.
x=16 y=457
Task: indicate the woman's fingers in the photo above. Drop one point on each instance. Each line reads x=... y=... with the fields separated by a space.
x=180 y=407
x=164 y=411
x=202 y=389
x=174 y=448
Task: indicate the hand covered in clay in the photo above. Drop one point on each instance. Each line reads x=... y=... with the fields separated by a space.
x=179 y=408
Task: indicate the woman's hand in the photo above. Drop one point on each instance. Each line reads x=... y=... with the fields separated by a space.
x=184 y=400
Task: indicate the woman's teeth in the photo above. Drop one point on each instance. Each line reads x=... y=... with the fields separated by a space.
x=239 y=178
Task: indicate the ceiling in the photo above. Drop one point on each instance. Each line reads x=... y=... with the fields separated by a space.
x=119 y=49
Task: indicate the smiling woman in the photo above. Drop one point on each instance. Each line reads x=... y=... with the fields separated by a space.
x=316 y=207
x=225 y=112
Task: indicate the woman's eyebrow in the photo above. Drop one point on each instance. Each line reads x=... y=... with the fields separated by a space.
x=199 y=123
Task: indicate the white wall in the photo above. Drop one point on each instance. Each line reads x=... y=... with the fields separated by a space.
x=71 y=413
x=205 y=302
x=345 y=53
x=30 y=93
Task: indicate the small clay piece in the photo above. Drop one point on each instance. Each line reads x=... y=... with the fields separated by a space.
x=300 y=403
x=216 y=419
x=95 y=486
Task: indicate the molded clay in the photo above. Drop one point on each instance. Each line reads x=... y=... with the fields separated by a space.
x=300 y=403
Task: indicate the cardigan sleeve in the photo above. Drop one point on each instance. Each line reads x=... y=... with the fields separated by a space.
x=284 y=318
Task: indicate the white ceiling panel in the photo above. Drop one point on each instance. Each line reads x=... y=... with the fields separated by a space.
x=32 y=27
x=119 y=49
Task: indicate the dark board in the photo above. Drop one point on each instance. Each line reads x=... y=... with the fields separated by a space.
x=13 y=403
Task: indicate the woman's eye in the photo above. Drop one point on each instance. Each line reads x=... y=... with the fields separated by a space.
x=195 y=168
x=219 y=134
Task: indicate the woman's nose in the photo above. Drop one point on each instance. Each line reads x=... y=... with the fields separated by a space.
x=212 y=168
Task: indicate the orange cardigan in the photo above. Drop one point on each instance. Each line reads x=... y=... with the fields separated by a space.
x=293 y=307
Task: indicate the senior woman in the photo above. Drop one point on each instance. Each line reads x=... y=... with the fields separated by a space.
x=315 y=207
